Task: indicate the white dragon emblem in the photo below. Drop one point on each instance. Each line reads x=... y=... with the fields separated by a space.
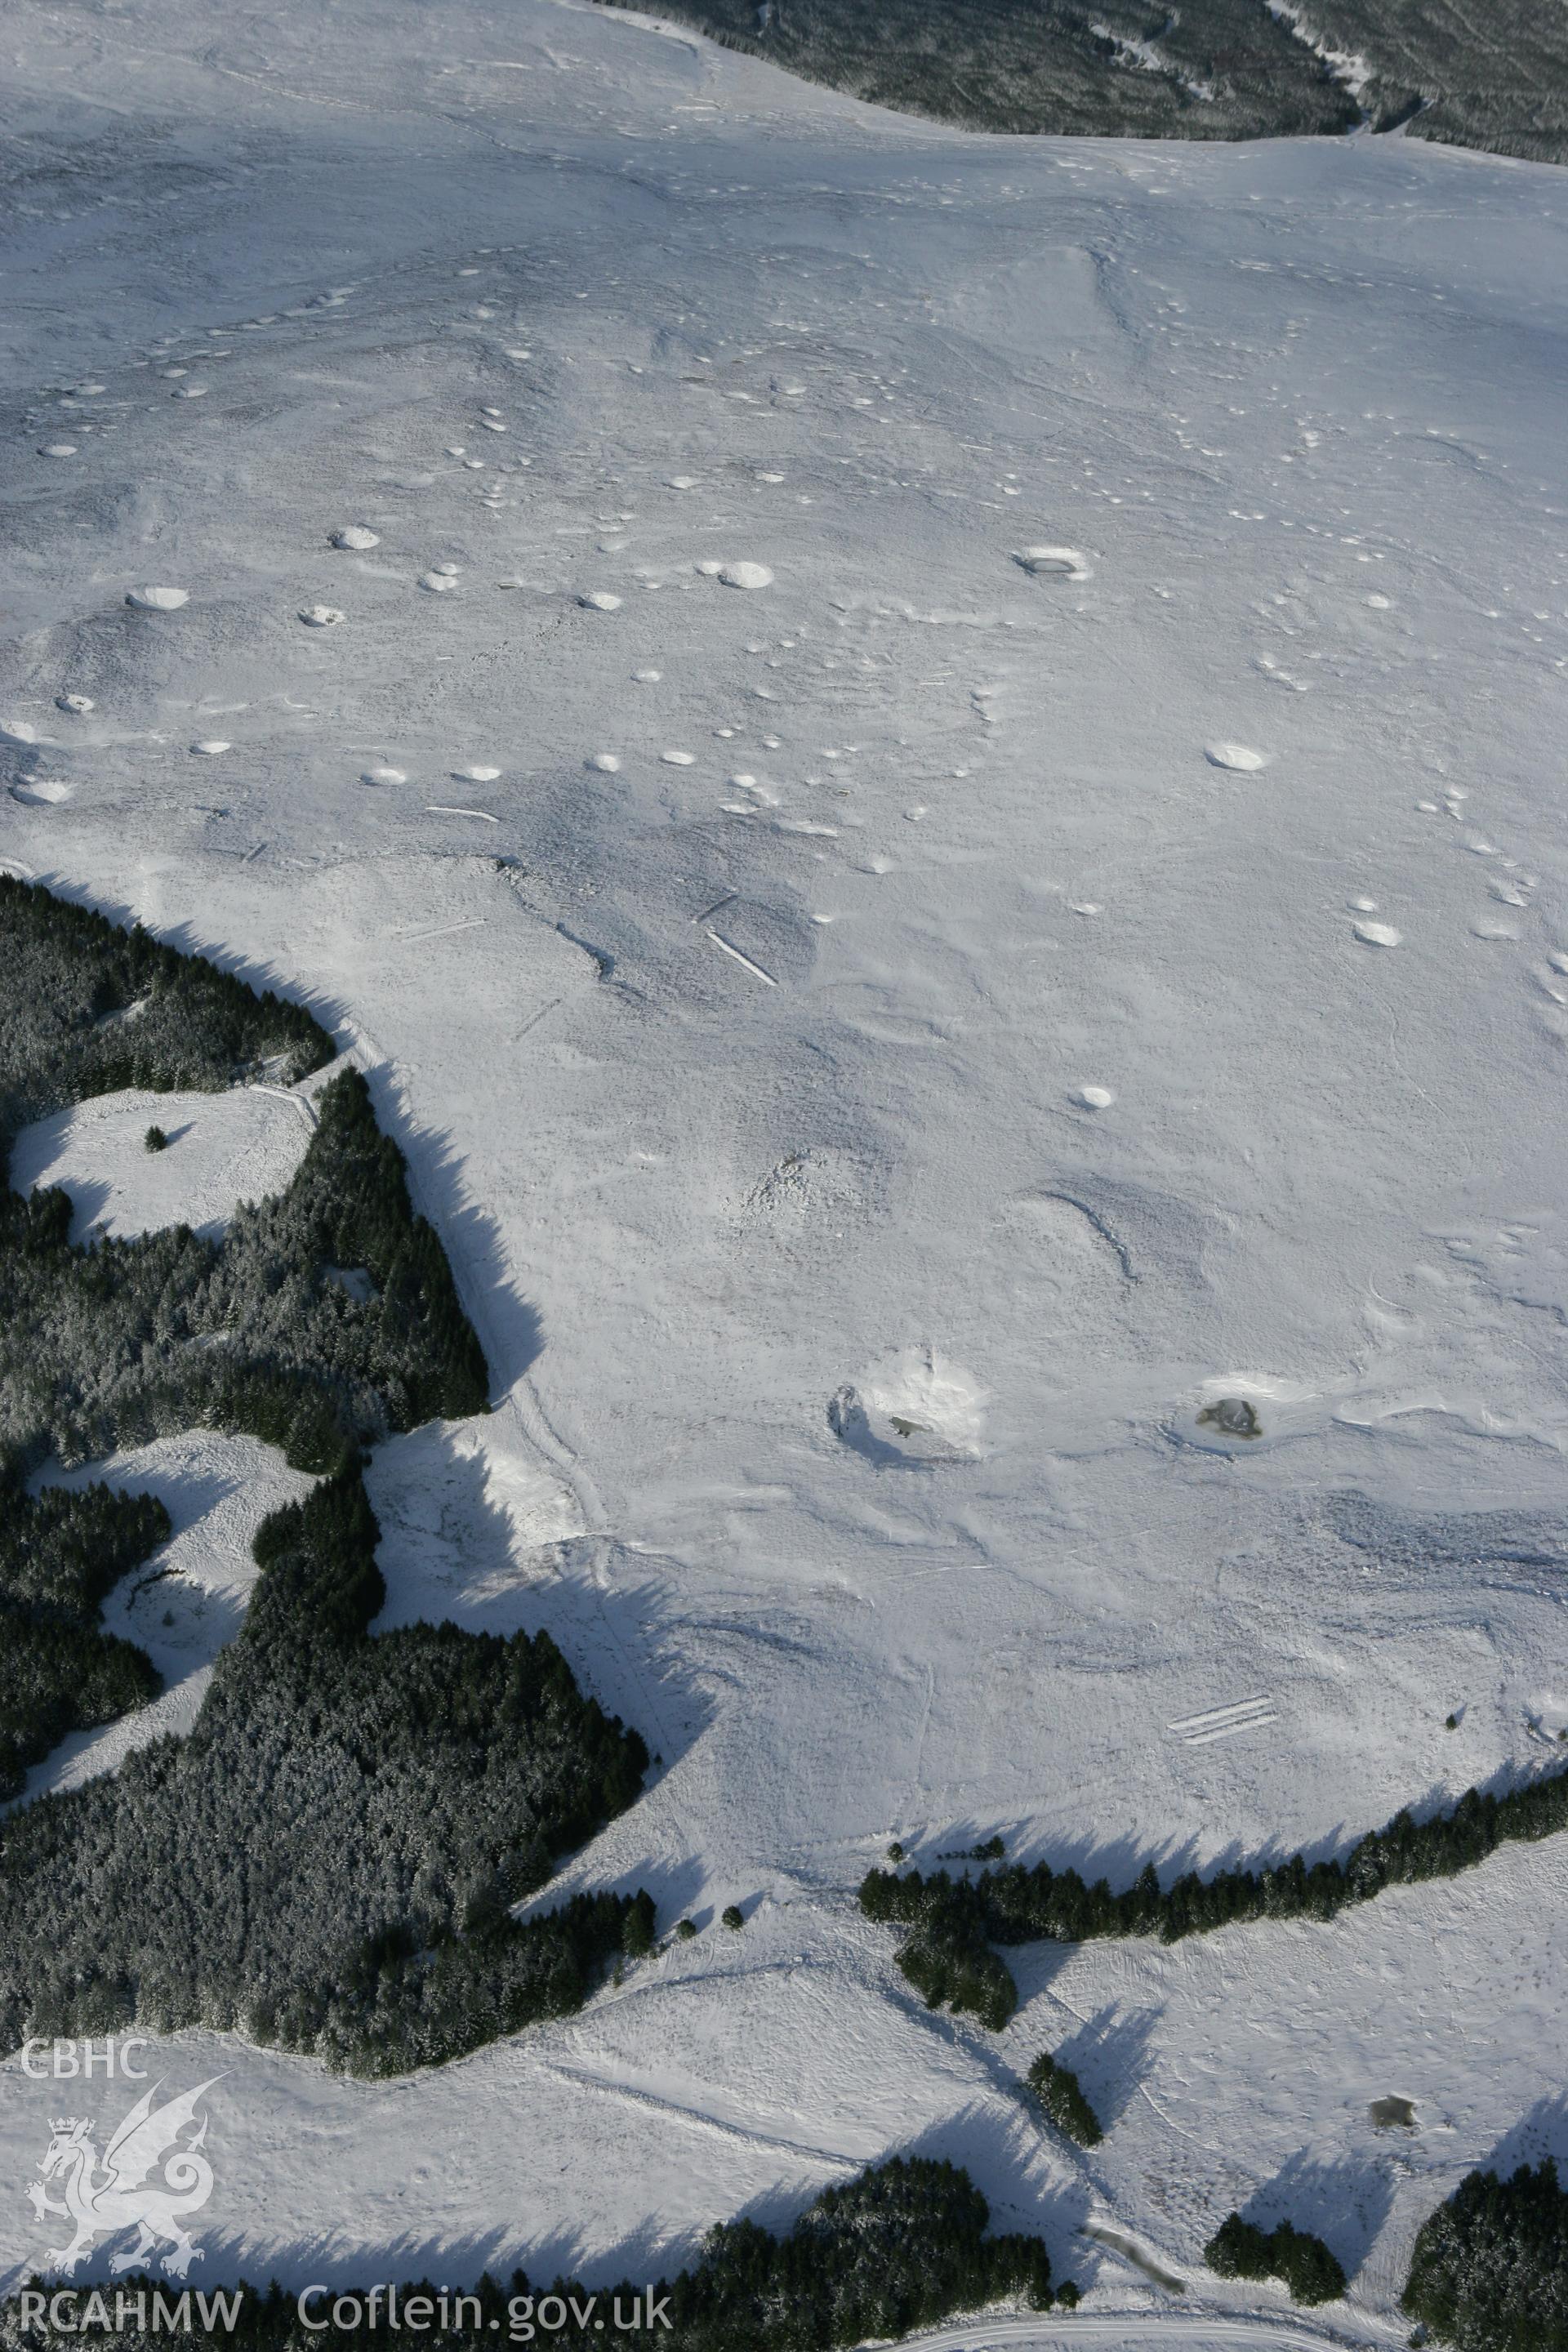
x=122 y=2195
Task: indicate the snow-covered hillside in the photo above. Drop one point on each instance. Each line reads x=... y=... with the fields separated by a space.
x=933 y=787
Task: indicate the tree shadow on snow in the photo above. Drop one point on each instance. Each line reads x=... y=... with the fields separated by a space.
x=449 y=2262
x=1120 y=1859
x=1008 y=2162
x=1542 y=2132
x=1022 y=2170
x=1034 y=1968
x=188 y=1486
x=456 y=1546
x=508 y=1325
x=189 y=940
x=1345 y=2201
x=1109 y=2055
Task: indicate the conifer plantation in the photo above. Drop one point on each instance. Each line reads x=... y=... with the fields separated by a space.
x=952 y=1922
x=904 y=2246
x=330 y=1860
x=1489 y=2269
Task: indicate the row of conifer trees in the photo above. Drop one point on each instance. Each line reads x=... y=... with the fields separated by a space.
x=953 y=1923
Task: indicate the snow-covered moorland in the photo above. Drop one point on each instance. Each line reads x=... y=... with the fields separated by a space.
x=926 y=772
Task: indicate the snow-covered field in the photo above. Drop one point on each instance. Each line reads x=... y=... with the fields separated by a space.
x=1082 y=934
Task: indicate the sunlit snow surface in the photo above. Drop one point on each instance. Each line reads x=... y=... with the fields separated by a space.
x=891 y=1032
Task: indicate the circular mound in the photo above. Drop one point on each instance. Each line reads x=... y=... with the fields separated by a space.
x=1237 y=1412
x=1234 y=1416
x=1052 y=563
x=475 y=775
x=746 y=575
x=356 y=535
x=1240 y=757
x=157 y=600
x=1376 y=935
x=322 y=616
x=599 y=599
x=436 y=582
x=384 y=776
x=914 y=1410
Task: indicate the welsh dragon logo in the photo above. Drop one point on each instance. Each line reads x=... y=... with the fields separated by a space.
x=147 y=2182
